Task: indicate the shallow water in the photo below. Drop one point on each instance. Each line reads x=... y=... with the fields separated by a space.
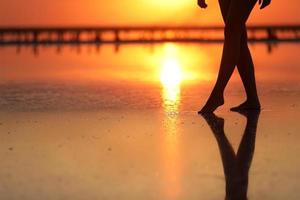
x=88 y=124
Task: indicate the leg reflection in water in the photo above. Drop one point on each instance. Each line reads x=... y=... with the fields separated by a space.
x=236 y=166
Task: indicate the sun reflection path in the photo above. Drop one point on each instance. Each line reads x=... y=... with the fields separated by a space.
x=171 y=78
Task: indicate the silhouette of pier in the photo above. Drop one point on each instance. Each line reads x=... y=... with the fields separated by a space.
x=139 y=34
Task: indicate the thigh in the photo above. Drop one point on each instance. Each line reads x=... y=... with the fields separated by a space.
x=224 y=6
x=239 y=11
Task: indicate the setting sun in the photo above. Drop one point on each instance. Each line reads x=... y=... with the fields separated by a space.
x=171 y=74
x=171 y=69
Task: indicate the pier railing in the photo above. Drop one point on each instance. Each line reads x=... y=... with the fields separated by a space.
x=140 y=34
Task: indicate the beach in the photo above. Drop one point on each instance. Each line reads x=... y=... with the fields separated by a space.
x=99 y=124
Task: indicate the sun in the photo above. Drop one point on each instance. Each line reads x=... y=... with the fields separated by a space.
x=171 y=74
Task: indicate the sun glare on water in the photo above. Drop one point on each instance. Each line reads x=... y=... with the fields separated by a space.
x=171 y=78
x=171 y=74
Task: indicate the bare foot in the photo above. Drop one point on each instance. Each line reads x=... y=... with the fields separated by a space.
x=247 y=105
x=212 y=104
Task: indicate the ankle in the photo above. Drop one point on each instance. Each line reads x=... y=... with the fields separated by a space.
x=252 y=101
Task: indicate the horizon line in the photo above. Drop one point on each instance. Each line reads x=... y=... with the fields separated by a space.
x=143 y=25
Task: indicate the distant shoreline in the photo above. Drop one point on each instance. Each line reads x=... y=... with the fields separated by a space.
x=139 y=34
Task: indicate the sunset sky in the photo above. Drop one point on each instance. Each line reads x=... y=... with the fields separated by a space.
x=132 y=12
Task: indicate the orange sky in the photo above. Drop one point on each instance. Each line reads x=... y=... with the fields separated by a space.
x=132 y=12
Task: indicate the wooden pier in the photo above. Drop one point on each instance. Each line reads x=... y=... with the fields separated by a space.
x=139 y=34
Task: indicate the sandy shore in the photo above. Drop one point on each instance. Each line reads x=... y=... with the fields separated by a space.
x=164 y=152
x=98 y=136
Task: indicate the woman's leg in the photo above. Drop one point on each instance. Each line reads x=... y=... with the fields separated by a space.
x=245 y=66
x=246 y=70
x=237 y=15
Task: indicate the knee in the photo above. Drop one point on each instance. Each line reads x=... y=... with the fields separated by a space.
x=234 y=29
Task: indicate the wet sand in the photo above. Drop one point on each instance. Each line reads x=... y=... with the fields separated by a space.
x=131 y=141
x=145 y=153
